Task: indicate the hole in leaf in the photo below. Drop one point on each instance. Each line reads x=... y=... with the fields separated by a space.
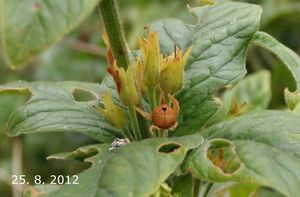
x=221 y=153
x=169 y=147
x=81 y=95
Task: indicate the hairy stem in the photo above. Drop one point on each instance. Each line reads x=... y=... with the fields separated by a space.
x=118 y=45
x=114 y=31
x=135 y=123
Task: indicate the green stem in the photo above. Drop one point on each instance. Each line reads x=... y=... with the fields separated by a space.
x=114 y=31
x=209 y=186
x=196 y=187
x=167 y=99
x=152 y=98
x=135 y=123
x=144 y=127
x=128 y=134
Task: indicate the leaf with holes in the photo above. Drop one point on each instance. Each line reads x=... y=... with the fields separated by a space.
x=52 y=108
x=29 y=27
x=220 y=38
x=261 y=147
x=137 y=169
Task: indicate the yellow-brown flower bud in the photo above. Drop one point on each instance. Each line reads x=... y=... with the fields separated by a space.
x=151 y=59
x=111 y=112
x=172 y=71
x=138 y=71
x=128 y=92
x=125 y=84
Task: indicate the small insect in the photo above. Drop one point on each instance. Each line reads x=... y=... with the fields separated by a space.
x=163 y=116
x=117 y=143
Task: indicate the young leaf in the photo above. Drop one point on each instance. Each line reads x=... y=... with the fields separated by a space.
x=137 y=169
x=261 y=147
x=220 y=38
x=29 y=27
x=254 y=90
x=52 y=108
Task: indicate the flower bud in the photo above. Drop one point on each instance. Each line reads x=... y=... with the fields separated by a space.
x=128 y=92
x=125 y=84
x=172 y=71
x=151 y=59
x=111 y=112
x=138 y=71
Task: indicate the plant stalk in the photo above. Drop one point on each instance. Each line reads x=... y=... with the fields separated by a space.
x=135 y=123
x=152 y=97
x=144 y=127
x=196 y=187
x=209 y=186
x=115 y=33
x=17 y=157
x=128 y=134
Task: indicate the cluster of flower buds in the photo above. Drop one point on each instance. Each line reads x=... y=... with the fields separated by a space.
x=151 y=72
x=165 y=72
x=172 y=71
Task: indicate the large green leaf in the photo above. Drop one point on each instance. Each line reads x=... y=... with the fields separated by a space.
x=137 y=169
x=255 y=90
x=265 y=146
x=52 y=108
x=220 y=38
x=29 y=27
x=290 y=59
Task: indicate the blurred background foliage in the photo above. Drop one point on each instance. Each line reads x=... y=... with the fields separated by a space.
x=80 y=56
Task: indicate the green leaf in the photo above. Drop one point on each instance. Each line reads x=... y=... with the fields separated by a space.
x=52 y=108
x=261 y=147
x=254 y=90
x=286 y=55
x=137 y=169
x=220 y=38
x=29 y=27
